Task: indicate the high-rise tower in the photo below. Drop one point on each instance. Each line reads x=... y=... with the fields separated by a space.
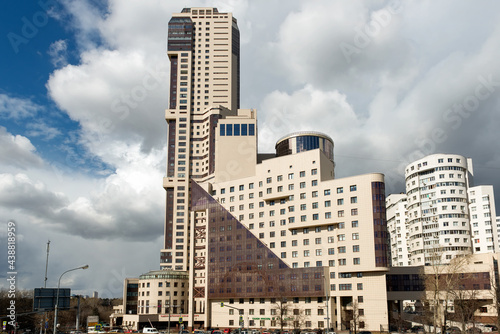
x=203 y=48
x=438 y=219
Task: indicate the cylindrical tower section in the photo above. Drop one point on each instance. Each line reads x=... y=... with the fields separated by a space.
x=438 y=218
x=304 y=141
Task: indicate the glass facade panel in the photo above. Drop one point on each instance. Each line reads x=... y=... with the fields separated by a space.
x=233 y=275
x=380 y=224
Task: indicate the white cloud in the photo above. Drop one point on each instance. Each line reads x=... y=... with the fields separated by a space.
x=58 y=52
x=117 y=211
x=17 y=151
x=42 y=130
x=284 y=113
x=16 y=108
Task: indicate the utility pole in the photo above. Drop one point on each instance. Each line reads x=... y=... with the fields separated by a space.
x=46 y=264
x=78 y=316
x=42 y=325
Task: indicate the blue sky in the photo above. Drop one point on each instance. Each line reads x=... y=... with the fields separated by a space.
x=31 y=30
x=82 y=100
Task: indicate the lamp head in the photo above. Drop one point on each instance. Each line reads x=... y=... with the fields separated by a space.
x=85 y=266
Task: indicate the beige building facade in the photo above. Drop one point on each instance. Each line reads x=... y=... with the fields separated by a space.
x=249 y=230
x=273 y=241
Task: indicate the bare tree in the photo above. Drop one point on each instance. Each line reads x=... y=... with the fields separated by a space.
x=352 y=315
x=299 y=318
x=495 y=291
x=281 y=308
x=441 y=279
x=466 y=302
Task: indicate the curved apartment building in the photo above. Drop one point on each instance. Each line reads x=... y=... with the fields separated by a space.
x=438 y=218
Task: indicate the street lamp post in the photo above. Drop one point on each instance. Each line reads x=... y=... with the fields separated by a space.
x=57 y=296
x=169 y=306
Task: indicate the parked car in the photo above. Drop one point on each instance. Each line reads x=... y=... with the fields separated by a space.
x=365 y=332
x=491 y=328
x=453 y=330
x=473 y=330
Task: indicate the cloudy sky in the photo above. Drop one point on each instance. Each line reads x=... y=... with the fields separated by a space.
x=83 y=89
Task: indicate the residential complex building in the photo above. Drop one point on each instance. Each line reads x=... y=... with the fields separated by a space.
x=438 y=220
x=397 y=226
x=482 y=219
x=446 y=216
x=274 y=240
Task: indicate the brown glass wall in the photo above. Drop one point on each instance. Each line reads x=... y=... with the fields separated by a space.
x=171 y=149
x=173 y=82
x=236 y=51
x=169 y=224
x=180 y=34
x=305 y=143
x=283 y=148
x=214 y=120
x=380 y=225
x=132 y=297
x=407 y=282
x=241 y=266
x=416 y=282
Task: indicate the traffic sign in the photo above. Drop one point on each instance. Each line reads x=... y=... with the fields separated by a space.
x=180 y=320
